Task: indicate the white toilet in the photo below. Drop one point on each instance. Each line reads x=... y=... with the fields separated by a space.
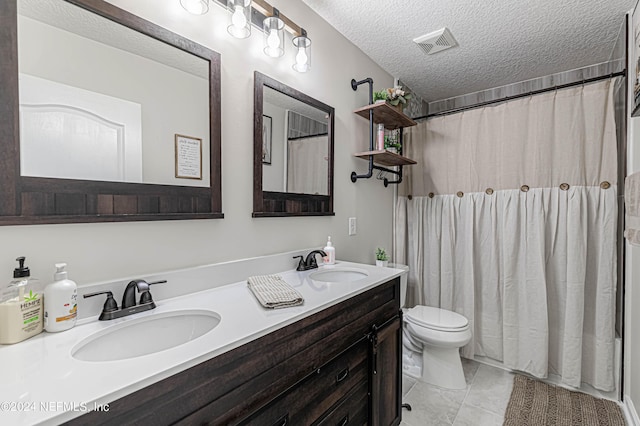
x=431 y=341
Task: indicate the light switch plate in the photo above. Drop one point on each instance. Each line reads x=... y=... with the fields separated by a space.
x=353 y=226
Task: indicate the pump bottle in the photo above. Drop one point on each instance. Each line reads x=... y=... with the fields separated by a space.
x=60 y=302
x=331 y=253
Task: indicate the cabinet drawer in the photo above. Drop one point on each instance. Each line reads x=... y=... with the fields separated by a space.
x=352 y=410
x=319 y=392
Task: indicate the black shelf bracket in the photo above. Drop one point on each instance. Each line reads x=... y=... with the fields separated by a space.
x=354 y=175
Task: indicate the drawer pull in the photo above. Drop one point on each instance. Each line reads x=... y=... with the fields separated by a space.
x=342 y=375
x=344 y=421
x=282 y=421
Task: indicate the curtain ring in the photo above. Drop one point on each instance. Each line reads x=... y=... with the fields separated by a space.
x=605 y=185
x=460 y=194
x=431 y=194
x=524 y=188
x=410 y=197
x=564 y=186
x=489 y=191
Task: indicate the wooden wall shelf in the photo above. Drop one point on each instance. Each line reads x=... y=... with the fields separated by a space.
x=387 y=114
x=385 y=158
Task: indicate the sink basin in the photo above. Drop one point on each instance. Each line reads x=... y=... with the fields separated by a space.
x=144 y=336
x=337 y=275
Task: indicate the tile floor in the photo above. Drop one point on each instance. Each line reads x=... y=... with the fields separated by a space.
x=482 y=403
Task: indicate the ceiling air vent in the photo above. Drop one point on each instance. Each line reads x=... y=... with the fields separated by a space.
x=436 y=41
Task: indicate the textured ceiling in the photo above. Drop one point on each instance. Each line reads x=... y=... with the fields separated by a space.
x=500 y=41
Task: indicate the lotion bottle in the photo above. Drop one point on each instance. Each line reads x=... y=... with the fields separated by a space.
x=331 y=253
x=60 y=302
x=21 y=307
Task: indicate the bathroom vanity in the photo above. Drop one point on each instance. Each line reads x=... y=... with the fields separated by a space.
x=338 y=366
x=334 y=360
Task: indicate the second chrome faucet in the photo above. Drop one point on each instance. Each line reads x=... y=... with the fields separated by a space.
x=110 y=309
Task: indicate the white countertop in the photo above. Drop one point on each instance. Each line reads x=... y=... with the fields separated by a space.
x=40 y=382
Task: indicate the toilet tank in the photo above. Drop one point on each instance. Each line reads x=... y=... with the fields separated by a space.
x=403 y=281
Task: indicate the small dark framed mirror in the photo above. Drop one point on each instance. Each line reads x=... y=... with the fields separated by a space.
x=104 y=117
x=293 y=152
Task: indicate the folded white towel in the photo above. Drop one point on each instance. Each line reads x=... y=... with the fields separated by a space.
x=273 y=292
x=632 y=208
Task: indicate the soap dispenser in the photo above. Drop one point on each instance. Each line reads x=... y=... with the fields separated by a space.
x=60 y=302
x=331 y=253
x=21 y=307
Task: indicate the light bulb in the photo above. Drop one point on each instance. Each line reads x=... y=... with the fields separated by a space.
x=197 y=7
x=273 y=41
x=302 y=58
x=238 y=19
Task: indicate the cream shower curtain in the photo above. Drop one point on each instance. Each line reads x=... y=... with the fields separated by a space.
x=308 y=165
x=510 y=219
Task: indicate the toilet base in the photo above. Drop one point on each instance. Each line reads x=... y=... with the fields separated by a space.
x=412 y=364
x=442 y=367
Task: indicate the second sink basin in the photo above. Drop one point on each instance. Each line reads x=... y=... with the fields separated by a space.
x=144 y=336
x=336 y=275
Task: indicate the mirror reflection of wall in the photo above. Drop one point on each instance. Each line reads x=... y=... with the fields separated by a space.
x=92 y=90
x=299 y=146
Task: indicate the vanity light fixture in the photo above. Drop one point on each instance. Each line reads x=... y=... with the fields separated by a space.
x=273 y=35
x=196 y=7
x=244 y=12
x=240 y=18
x=303 y=56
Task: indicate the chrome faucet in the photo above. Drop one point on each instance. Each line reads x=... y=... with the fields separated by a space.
x=310 y=261
x=110 y=309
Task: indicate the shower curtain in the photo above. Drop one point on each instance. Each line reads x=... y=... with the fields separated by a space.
x=510 y=219
x=308 y=165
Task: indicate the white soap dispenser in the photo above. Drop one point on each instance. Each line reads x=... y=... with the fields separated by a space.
x=60 y=302
x=331 y=253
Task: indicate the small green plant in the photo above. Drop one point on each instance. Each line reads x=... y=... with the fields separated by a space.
x=391 y=141
x=380 y=95
x=381 y=254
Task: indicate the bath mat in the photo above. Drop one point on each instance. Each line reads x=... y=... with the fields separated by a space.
x=534 y=403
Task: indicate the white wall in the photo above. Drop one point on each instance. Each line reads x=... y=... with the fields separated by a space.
x=632 y=269
x=632 y=288
x=109 y=251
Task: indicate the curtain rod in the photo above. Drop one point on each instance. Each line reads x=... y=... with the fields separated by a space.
x=523 y=95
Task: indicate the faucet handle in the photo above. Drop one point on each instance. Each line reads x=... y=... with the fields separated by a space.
x=301 y=265
x=110 y=304
x=145 y=296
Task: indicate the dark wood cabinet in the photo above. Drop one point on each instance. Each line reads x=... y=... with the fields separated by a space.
x=338 y=366
x=386 y=379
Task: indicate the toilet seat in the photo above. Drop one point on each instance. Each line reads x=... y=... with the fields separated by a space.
x=436 y=319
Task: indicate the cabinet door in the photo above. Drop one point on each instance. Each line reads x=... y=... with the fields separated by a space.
x=386 y=374
x=341 y=382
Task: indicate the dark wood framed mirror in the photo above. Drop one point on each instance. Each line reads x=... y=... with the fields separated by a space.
x=166 y=155
x=293 y=152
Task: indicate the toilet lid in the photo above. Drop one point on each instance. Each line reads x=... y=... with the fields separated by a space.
x=436 y=318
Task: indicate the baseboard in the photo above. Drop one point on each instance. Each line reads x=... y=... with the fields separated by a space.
x=630 y=413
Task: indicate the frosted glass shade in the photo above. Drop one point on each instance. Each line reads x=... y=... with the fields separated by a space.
x=240 y=26
x=273 y=36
